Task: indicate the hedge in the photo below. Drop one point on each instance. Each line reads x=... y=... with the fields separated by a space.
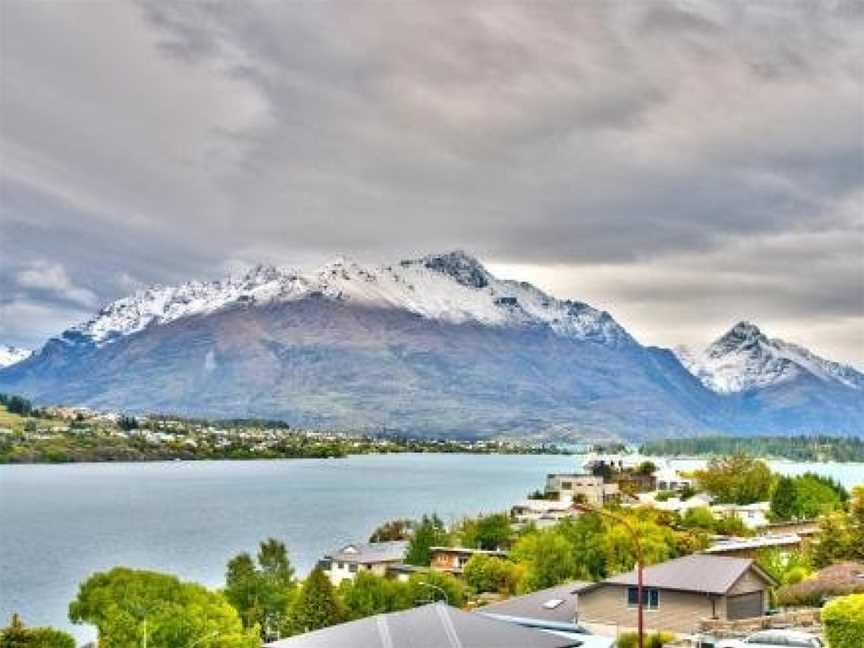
x=843 y=619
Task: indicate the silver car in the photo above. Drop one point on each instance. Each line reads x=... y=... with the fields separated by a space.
x=774 y=638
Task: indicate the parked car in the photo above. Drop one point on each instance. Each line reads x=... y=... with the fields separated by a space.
x=774 y=638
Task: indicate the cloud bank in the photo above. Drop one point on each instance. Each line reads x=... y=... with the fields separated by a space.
x=681 y=164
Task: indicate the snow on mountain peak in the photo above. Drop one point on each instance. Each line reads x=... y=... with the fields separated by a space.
x=452 y=287
x=745 y=359
x=10 y=355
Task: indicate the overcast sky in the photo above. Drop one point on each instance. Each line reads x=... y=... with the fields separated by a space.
x=683 y=165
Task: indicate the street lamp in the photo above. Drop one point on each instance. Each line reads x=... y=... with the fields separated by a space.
x=436 y=587
x=587 y=508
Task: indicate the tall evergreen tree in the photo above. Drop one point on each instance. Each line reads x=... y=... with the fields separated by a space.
x=784 y=499
x=429 y=533
x=317 y=605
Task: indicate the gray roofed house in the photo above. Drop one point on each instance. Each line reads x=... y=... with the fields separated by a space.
x=345 y=562
x=557 y=604
x=678 y=593
x=431 y=626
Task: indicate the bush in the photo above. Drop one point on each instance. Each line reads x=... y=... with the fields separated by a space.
x=656 y=640
x=843 y=619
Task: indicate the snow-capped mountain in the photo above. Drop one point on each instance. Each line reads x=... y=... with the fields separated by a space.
x=435 y=345
x=453 y=288
x=10 y=355
x=745 y=359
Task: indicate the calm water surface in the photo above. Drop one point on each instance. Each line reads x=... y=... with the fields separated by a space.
x=60 y=523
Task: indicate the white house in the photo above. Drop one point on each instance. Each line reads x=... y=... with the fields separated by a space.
x=376 y=557
x=564 y=486
x=753 y=516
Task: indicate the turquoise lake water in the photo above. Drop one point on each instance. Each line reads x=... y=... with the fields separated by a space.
x=59 y=523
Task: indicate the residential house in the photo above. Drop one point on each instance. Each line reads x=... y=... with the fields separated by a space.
x=592 y=488
x=541 y=512
x=558 y=604
x=750 y=547
x=453 y=559
x=754 y=516
x=678 y=593
x=375 y=557
x=636 y=482
x=429 y=626
x=553 y=609
x=669 y=479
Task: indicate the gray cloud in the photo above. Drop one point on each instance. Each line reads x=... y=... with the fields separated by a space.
x=700 y=158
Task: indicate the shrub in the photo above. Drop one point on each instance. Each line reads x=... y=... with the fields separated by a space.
x=843 y=619
x=656 y=640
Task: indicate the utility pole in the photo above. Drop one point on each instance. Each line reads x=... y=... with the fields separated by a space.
x=587 y=508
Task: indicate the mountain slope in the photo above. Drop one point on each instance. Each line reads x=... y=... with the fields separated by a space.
x=428 y=346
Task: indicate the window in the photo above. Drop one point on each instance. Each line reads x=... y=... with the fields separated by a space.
x=341 y=565
x=352 y=567
x=566 y=485
x=650 y=597
x=551 y=604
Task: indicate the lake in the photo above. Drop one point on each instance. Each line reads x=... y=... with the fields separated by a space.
x=59 y=523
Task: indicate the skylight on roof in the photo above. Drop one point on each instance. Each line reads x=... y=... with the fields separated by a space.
x=551 y=604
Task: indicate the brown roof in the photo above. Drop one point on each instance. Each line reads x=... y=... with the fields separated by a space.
x=694 y=573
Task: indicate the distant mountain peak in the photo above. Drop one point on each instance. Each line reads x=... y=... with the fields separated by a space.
x=453 y=287
x=459 y=265
x=745 y=359
x=10 y=355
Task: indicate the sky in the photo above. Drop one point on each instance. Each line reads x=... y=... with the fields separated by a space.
x=683 y=165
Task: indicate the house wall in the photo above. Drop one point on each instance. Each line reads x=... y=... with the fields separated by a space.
x=749 y=582
x=678 y=611
x=337 y=574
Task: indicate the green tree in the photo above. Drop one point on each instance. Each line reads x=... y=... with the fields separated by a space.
x=262 y=593
x=430 y=532
x=368 y=594
x=586 y=535
x=486 y=532
x=813 y=497
x=317 y=605
x=16 y=635
x=129 y=607
x=699 y=517
x=486 y=573
x=548 y=558
x=834 y=541
x=785 y=499
x=393 y=530
x=427 y=586
x=737 y=479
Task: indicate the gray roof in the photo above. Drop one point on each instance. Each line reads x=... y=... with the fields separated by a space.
x=695 y=573
x=431 y=626
x=370 y=552
x=539 y=605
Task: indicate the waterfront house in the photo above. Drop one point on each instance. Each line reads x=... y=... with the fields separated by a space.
x=453 y=559
x=590 y=488
x=669 y=479
x=376 y=557
x=678 y=593
x=430 y=626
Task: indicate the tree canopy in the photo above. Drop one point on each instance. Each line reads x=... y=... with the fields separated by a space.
x=127 y=605
x=17 y=635
x=737 y=479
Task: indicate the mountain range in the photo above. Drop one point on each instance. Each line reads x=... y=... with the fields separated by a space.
x=435 y=345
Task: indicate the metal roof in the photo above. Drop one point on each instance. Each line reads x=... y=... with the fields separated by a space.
x=370 y=552
x=540 y=605
x=694 y=573
x=431 y=626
